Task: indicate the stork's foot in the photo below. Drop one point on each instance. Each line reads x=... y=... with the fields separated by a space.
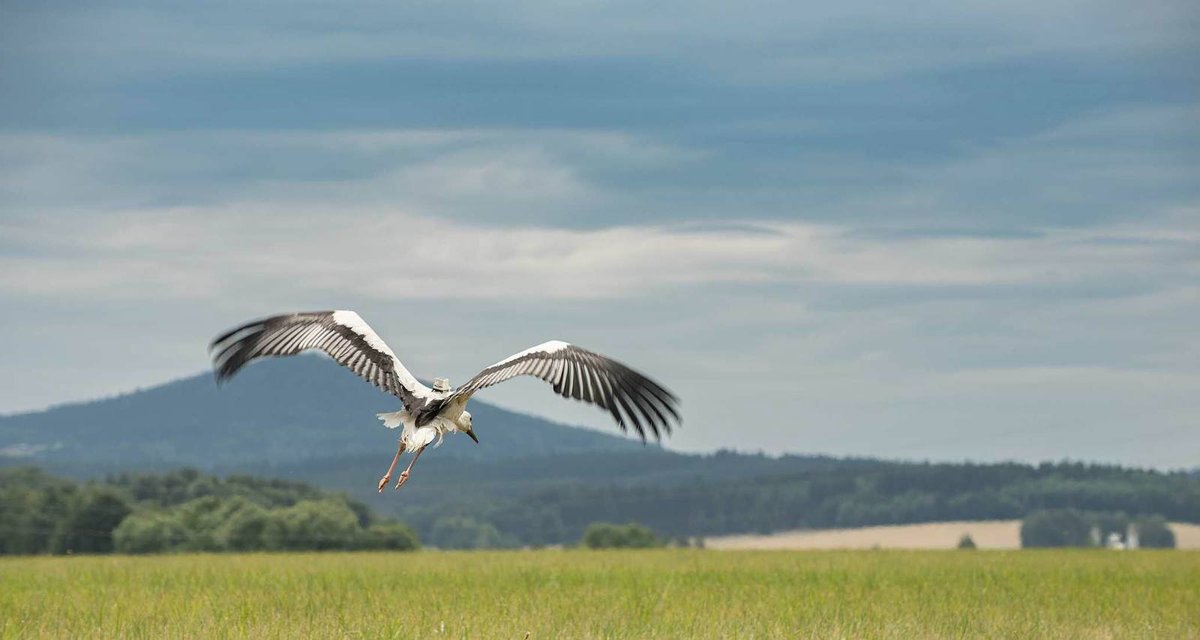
x=403 y=479
x=383 y=481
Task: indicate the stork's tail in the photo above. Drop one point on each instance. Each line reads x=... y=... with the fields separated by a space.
x=393 y=419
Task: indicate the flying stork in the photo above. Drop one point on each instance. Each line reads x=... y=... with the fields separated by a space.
x=430 y=413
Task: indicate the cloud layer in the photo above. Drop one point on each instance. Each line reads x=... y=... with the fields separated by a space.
x=935 y=230
x=237 y=248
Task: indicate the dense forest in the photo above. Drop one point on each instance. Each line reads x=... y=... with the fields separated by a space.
x=183 y=511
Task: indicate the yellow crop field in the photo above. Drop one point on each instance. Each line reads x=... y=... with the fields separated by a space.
x=617 y=594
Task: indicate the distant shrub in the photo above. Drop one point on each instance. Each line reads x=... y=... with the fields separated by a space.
x=389 y=536
x=245 y=529
x=603 y=535
x=313 y=525
x=1056 y=528
x=966 y=542
x=89 y=526
x=1153 y=532
x=149 y=532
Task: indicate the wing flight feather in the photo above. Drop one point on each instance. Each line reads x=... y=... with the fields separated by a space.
x=575 y=372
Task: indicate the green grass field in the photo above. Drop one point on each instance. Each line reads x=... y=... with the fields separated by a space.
x=619 y=594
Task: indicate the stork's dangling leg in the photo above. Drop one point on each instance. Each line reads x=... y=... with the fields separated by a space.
x=404 y=474
x=396 y=458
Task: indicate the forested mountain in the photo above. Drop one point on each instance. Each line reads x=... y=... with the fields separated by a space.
x=276 y=412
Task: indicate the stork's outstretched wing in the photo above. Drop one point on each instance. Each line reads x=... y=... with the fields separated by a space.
x=341 y=334
x=584 y=375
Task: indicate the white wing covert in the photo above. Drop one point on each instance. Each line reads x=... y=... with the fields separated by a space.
x=343 y=335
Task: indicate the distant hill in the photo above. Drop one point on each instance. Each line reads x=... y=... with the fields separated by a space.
x=274 y=413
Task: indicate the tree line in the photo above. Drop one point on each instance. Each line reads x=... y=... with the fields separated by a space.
x=820 y=495
x=183 y=511
x=1076 y=528
x=189 y=510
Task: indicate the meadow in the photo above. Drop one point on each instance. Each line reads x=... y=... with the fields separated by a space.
x=607 y=594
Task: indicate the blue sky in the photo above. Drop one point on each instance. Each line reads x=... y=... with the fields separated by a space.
x=937 y=230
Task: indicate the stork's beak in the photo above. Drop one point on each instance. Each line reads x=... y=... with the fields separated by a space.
x=472 y=434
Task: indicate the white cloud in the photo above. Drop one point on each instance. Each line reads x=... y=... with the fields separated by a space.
x=204 y=252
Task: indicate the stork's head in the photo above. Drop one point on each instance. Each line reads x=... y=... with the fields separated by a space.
x=467 y=428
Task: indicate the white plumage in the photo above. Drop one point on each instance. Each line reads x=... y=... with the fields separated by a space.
x=411 y=436
x=431 y=413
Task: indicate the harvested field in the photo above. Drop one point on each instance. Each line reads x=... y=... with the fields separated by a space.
x=988 y=534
